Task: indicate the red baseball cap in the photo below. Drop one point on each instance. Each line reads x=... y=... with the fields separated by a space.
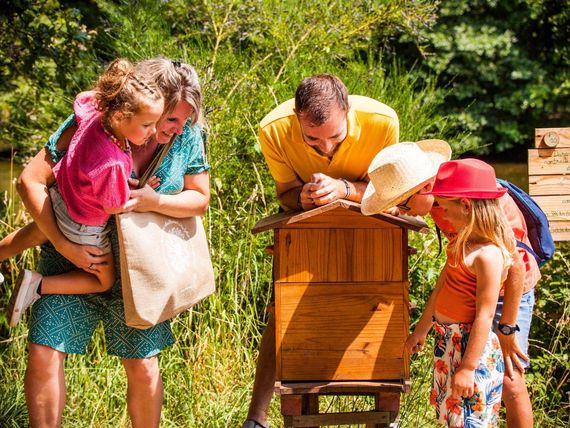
x=466 y=178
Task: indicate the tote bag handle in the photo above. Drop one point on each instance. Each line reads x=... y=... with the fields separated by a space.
x=156 y=161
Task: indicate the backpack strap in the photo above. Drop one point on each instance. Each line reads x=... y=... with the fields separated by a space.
x=529 y=250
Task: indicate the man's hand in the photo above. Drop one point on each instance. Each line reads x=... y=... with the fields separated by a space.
x=462 y=383
x=393 y=211
x=305 y=199
x=511 y=353
x=323 y=189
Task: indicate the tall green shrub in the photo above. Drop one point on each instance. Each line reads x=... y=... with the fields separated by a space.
x=506 y=63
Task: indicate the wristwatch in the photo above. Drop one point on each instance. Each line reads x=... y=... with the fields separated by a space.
x=508 y=329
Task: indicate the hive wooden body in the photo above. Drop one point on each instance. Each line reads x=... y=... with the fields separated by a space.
x=341 y=294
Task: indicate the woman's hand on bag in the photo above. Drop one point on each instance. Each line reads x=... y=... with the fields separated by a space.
x=142 y=200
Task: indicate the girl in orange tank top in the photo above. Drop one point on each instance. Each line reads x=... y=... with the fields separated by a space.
x=468 y=364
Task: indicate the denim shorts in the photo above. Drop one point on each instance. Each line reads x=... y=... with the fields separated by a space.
x=96 y=236
x=524 y=319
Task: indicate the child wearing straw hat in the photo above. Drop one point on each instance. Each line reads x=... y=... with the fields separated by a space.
x=513 y=313
x=401 y=171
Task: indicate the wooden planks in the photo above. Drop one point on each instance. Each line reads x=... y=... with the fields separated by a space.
x=549 y=185
x=548 y=161
x=370 y=418
x=549 y=178
x=557 y=207
x=341 y=388
x=339 y=255
x=350 y=211
x=341 y=331
x=547 y=137
x=300 y=403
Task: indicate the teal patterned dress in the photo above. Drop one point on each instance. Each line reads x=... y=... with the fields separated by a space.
x=66 y=322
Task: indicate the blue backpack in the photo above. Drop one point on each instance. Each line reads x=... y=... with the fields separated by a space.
x=536 y=221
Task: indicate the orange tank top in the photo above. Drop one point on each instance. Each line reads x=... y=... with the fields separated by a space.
x=457 y=297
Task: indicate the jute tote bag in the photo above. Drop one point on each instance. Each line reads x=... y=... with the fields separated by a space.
x=165 y=263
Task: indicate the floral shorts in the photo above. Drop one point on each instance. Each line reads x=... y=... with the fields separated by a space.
x=482 y=408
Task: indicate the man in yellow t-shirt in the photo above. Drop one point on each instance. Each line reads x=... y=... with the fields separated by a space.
x=318 y=147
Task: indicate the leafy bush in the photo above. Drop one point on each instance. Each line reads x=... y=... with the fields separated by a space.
x=48 y=56
x=506 y=64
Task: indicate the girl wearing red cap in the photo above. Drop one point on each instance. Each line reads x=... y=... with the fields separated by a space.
x=468 y=364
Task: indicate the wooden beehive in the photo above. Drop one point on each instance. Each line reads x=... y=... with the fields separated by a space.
x=341 y=293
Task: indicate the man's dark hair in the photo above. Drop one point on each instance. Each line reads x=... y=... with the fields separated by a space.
x=317 y=95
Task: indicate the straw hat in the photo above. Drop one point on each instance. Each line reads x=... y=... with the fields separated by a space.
x=400 y=170
x=466 y=178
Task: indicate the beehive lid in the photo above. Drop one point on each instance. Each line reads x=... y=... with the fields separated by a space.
x=286 y=218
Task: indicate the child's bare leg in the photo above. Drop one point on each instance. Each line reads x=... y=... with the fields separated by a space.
x=27 y=288
x=81 y=282
x=21 y=239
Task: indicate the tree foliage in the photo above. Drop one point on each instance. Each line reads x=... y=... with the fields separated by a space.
x=47 y=56
x=506 y=63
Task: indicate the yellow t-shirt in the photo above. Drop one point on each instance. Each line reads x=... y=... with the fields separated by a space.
x=371 y=127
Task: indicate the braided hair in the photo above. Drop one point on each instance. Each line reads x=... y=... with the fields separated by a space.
x=122 y=88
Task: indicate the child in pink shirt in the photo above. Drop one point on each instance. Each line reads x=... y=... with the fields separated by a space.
x=92 y=177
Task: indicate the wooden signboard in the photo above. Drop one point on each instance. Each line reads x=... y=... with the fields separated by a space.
x=549 y=178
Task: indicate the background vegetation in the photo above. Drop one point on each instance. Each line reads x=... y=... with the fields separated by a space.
x=505 y=64
x=250 y=56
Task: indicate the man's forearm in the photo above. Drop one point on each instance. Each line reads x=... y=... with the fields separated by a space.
x=291 y=199
x=357 y=189
x=322 y=190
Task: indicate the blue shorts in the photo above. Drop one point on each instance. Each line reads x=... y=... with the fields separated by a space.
x=524 y=319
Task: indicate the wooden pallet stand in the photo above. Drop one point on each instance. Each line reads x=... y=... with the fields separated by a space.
x=341 y=310
x=300 y=403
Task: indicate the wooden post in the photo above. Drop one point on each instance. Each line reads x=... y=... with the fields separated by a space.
x=549 y=178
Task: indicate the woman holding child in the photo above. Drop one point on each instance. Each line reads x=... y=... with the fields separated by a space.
x=64 y=323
